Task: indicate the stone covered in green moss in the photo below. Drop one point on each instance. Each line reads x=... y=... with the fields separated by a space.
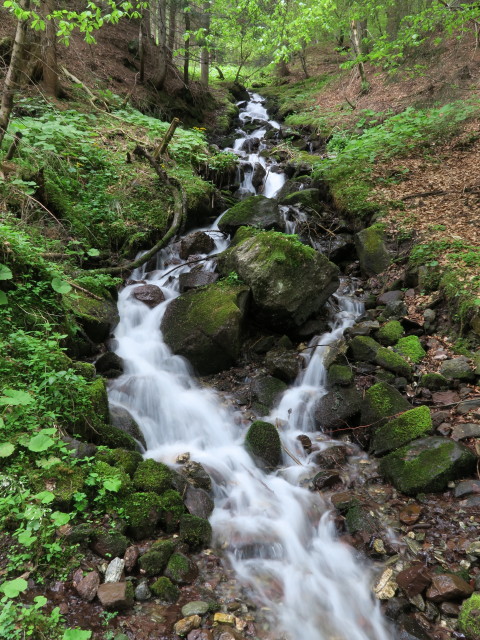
x=390 y=333
x=64 y=481
x=196 y=532
x=153 y=562
x=165 y=590
x=263 y=442
x=256 y=211
x=410 y=425
x=306 y=198
x=358 y=518
x=267 y=390
x=109 y=436
x=108 y=473
x=433 y=381
x=180 y=569
x=85 y=369
x=289 y=280
x=96 y=317
x=469 y=617
x=340 y=375
x=152 y=476
x=411 y=348
x=427 y=465
x=142 y=511
x=127 y=461
x=364 y=348
x=110 y=544
x=393 y=362
x=372 y=252
x=205 y=325
x=172 y=509
x=381 y=402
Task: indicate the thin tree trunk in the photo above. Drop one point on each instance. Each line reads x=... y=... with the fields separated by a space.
x=141 y=46
x=357 y=48
x=49 y=54
x=172 y=28
x=158 y=30
x=14 y=73
x=204 y=53
x=186 y=61
x=282 y=69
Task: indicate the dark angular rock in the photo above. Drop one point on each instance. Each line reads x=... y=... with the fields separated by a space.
x=196 y=243
x=466 y=430
x=195 y=279
x=468 y=405
x=390 y=296
x=467 y=487
x=256 y=211
x=263 y=442
x=448 y=587
x=109 y=365
x=283 y=364
x=116 y=595
x=122 y=419
x=149 y=294
x=338 y=409
x=198 y=502
x=267 y=390
x=87 y=587
x=414 y=579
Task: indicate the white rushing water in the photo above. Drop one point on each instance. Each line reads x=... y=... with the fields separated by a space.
x=277 y=535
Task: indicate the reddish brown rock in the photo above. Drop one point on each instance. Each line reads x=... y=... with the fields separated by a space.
x=150 y=294
x=448 y=587
x=115 y=595
x=131 y=557
x=410 y=514
x=87 y=586
x=200 y=634
x=414 y=579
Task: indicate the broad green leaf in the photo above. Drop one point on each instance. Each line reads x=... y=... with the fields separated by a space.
x=61 y=286
x=40 y=442
x=13 y=397
x=93 y=252
x=12 y=588
x=26 y=538
x=3 y=298
x=76 y=634
x=45 y=497
x=112 y=484
x=59 y=518
x=47 y=463
x=5 y=272
x=40 y=601
x=6 y=449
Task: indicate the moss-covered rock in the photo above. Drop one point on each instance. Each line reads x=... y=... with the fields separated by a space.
x=411 y=348
x=96 y=317
x=172 y=509
x=263 y=443
x=205 y=325
x=63 y=481
x=457 y=369
x=372 y=252
x=257 y=211
x=180 y=569
x=433 y=381
x=122 y=459
x=267 y=390
x=412 y=424
x=85 y=369
x=364 y=348
x=390 y=333
x=142 y=511
x=305 y=199
x=393 y=362
x=338 y=409
x=117 y=477
x=289 y=280
x=382 y=401
x=165 y=590
x=152 y=476
x=110 y=436
x=469 y=617
x=427 y=465
x=110 y=544
x=359 y=519
x=196 y=532
x=122 y=419
x=340 y=375
x=153 y=562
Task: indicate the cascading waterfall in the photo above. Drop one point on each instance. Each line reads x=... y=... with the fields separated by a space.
x=278 y=536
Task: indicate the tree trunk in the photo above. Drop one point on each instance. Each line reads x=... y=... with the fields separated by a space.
x=395 y=15
x=142 y=35
x=186 y=60
x=14 y=73
x=357 y=48
x=282 y=69
x=158 y=32
x=204 y=53
x=49 y=54
x=172 y=28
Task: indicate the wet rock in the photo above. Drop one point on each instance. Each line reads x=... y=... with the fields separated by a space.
x=410 y=629
x=448 y=587
x=196 y=475
x=427 y=465
x=457 y=369
x=197 y=607
x=290 y=281
x=257 y=211
x=114 y=572
x=338 y=409
x=390 y=296
x=224 y=618
x=325 y=480
x=196 y=243
x=412 y=424
x=263 y=443
x=195 y=279
x=87 y=586
x=372 y=252
x=466 y=430
x=185 y=625
x=110 y=544
x=131 y=557
x=340 y=375
x=366 y=349
x=149 y=294
x=364 y=328
x=198 y=502
x=96 y=317
x=386 y=586
x=305 y=442
x=394 y=310
x=331 y=457
x=414 y=580
x=205 y=326
x=258 y=175
x=267 y=390
x=79 y=449
x=382 y=401
x=180 y=569
x=468 y=405
x=467 y=487
x=142 y=592
x=450 y=609
x=410 y=514
x=109 y=365
x=282 y=364
x=121 y=419
x=116 y=596
x=200 y=634
x=396 y=606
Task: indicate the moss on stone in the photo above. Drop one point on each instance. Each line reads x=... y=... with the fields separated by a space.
x=97 y=317
x=340 y=375
x=127 y=461
x=384 y=376
x=106 y=434
x=85 y=369
x=393 y=362
x=390 y=333
x=433 y=381
x=110 y=544
x=180 y=569
x=257 y=211
x=152 y=476
x=381 y=402
x=97 y=392
x=372 y=253
x=195 y=531
x=411 y=348
x=153 y=562
x=263 y=442
x=358 y=518
x=164 y=589
x=469 y=617
x=64 y=481
x=107 y=472
x=143 y=513
x=410 y=425
x=309 y=198
x=172 y=509
x=364 y=348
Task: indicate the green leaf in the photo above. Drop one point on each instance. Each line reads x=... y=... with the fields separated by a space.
x=40 y=442
x=40 y=601
x=76 y=634
x=45 y=497
x=47 y=463
x=26 y=538
x=5 y=272
x=93 y=252
x=12 y=588
x=3 y=298
x=13 y=397
x=61 y=286
x=112 y=484
x=59 y=518
x=6 y=449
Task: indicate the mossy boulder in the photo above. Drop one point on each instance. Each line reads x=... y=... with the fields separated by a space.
x=359 y=519
x=372 y=252
x=122 y=459
x=267 y=390
x=165 y=590
x=283 y=363
x=411 y=348
x=142 y=511
x=63 y=481
x=364 y=348
x=110 y=544
x=122 y=419
x=205 y=325
x=433 y=381
x=469 y=617
x=195 y=531
x=117 y=478
x=338 y=409
x=367 y=349
x=390 y=333
x=152 y=476
x=457 y=369
x=263 y=443
x=96 y=317
x=289 y=280
x=340 y=375
x=412 y=424
x=181 y=570
x=172 y=509
x=110 y=436
x=153 y=562
x=382 y=401
x=427 y=465
x=257 y=211
x=305 y=199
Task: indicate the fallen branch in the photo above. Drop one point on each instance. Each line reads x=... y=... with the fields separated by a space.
x=85 y=291
x=162 y=147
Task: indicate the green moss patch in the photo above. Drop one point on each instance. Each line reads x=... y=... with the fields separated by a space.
x=172 y=509
x=411 y=348
x=263 y=442
x=153 y=476
x=410 y=425
x=390 y=333
x=142 y=511
x=195 y=531
x=165 y=590
x=433 y=381
x=340 y=375
x=469 y=617
x=381 y=402
x=153 y=562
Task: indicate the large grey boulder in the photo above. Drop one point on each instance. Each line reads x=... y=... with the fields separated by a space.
x=256 y=211
x=372 y=252
x=338 y=409
x=122 y=419
x=289 y=280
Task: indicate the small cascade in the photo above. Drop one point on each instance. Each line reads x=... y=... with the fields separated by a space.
x=278 y=536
